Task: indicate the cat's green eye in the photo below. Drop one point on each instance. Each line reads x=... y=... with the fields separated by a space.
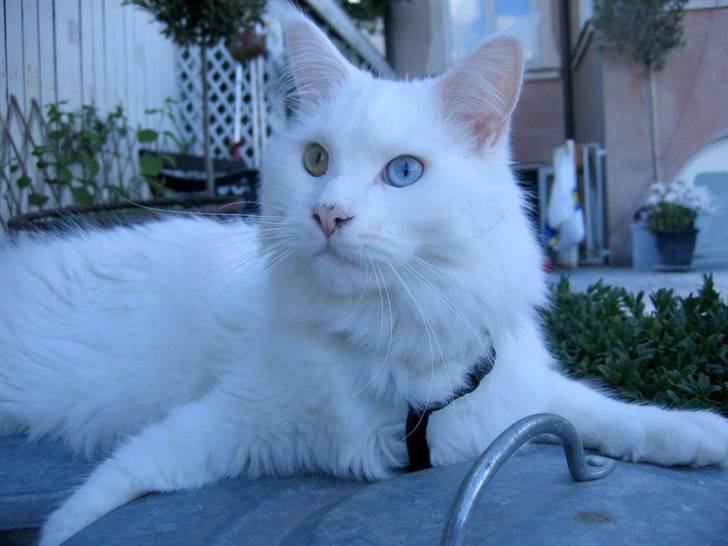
x=315 y=159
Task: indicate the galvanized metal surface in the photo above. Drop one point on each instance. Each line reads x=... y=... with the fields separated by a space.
x=582 y=468
x=533 y=500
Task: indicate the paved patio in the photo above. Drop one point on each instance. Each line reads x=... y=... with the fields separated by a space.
x=648 y=281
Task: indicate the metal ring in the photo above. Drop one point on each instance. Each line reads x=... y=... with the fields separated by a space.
x=582 y=468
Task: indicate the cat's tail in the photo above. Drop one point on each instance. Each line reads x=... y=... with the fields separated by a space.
x=639 y=432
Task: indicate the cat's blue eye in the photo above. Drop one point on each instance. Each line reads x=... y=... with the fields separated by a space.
x=403 y=171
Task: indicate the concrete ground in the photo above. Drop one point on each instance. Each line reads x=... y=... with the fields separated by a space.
x=648 y=281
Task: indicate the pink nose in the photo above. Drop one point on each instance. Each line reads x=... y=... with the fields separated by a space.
x=329 y=219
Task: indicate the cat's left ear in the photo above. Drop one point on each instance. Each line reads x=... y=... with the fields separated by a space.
x=481 y=91
x=316 y=66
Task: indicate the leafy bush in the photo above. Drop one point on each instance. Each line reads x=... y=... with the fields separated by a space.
x=72 y=156
x=676 y=355
x=647 y=28
x=87 y=154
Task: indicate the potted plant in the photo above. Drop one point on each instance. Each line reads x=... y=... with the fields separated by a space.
x=203 y=23
x=673 y=209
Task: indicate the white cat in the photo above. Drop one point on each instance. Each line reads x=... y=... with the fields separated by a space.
x=393 y=251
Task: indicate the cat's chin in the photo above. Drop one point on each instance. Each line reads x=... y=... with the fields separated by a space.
x=339 y=275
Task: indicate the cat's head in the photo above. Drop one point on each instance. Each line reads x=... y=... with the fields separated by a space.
x=374 y=176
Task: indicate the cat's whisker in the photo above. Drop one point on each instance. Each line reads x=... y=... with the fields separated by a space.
x=268 y=240
x=428 y=325
x=251 y=215
x=478 y=337
x=381 y=303
x=486 y=231
x=277 y=260
x=439 y=348
x=440 y=294
x=236 y=240
x=425 y=322
x=258 y=203
x=430 y=266
x=382 y=364
x=391 y=319
x=234 y=265
x=367 y=264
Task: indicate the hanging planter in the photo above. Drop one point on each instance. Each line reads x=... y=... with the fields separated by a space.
x=247 y=44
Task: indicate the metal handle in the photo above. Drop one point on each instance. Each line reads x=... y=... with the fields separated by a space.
x=582 y=468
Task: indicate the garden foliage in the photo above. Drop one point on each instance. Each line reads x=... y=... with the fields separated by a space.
x=675 y=355
x=87 y=154
x=648 y=29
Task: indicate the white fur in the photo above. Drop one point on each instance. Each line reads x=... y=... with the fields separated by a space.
x=203 y=350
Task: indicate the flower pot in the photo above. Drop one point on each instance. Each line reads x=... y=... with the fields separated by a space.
x=676 y=247
x=188 y=176
x=644 y=247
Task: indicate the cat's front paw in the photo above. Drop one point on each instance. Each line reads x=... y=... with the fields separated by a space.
x=673 y=438
x=393 y=445
x=371 y=456
x=64 y=523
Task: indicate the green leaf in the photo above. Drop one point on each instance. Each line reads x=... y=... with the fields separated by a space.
x=14 y=167
x=24 y=181
x=145 y=136
x=82 y=196
x=118 y=191
x=676 y=355
x=92 y=166
x=65 y=174
x=151 y=165
x=41 y=164
x=37 y=200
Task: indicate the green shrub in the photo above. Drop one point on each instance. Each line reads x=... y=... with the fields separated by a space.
x=675 y=355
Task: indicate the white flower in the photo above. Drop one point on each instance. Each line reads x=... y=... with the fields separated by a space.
x=680 y=192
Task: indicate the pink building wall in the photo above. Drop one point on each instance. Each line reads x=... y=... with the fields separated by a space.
x=692 y=111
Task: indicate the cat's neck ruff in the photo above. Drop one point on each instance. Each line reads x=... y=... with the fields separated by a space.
x=412 y=340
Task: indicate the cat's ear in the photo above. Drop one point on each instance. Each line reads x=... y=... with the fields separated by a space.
x=481 y=91
x=315 y=65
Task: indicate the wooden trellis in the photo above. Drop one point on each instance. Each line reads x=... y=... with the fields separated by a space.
x=22 y=132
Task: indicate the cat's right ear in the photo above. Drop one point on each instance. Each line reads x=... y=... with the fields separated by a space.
x=315 y=65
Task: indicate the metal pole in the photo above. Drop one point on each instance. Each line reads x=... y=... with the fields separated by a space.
x=567 y=86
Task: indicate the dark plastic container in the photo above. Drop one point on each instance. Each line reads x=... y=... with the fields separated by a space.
x=676 y=247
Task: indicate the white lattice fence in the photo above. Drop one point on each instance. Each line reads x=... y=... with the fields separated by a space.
x=245 y=102
x=241 y=109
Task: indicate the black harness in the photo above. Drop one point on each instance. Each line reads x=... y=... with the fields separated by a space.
x=416 y=425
